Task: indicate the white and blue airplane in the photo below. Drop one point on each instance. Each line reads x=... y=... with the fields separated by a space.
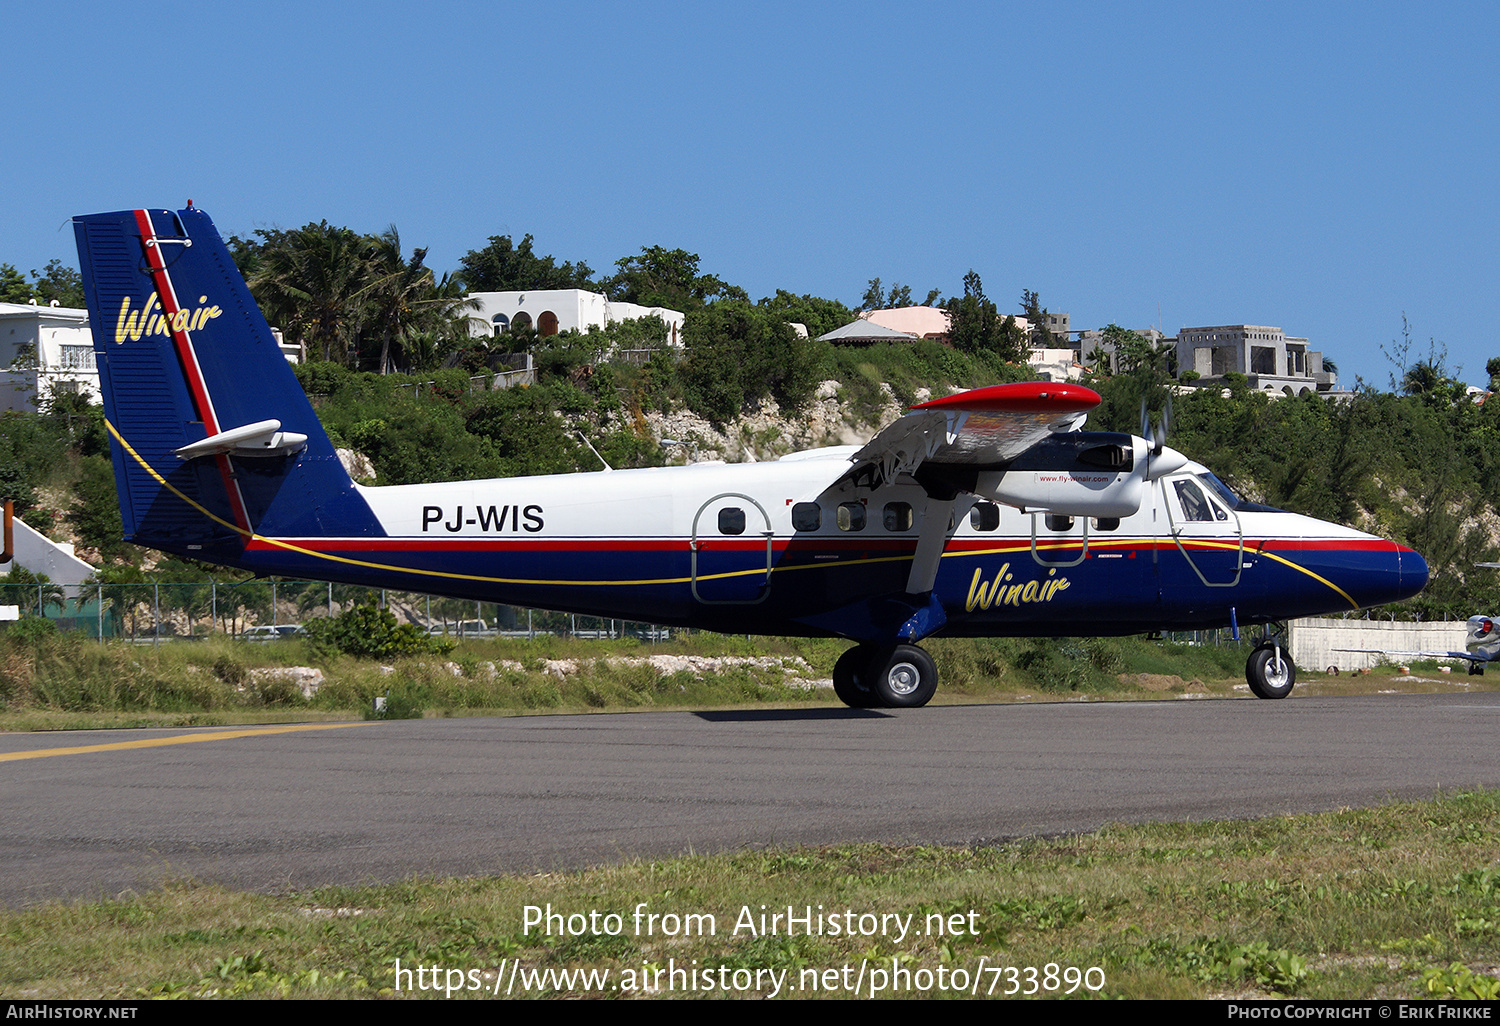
x=1481 y=644
x=985 y=513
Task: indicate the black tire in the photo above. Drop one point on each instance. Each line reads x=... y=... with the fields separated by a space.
x=848 y=678
x=903 y=677
x=1260 y=671
x=1476 y=669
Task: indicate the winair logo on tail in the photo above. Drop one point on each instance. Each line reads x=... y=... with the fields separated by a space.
x=1001 y=592
x=153 y=320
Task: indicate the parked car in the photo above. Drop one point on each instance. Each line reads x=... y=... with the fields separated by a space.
x=463 y=628
x=272 y=632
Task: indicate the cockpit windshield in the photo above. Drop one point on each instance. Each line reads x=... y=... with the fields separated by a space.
x=1220 y=489
x=1232 y=500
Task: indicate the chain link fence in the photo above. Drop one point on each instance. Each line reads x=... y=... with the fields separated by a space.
x=264 y=610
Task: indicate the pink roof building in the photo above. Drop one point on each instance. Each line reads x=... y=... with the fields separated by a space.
x=921 y=321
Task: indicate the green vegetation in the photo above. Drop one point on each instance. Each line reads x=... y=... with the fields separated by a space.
x=1393 y=902
x=49 y=680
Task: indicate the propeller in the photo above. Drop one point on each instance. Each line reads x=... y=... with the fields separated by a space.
x=1160 y=459
x=1154 y=441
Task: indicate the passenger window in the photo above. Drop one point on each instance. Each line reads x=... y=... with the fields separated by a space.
x=1059 y=523
x=732 y=520
x=1107 y=524
x=897 y=516
x=807 y=516
x=985 y=516
x=851 y=516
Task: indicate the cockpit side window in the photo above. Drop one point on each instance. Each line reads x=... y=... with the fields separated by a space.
x=1195 y=505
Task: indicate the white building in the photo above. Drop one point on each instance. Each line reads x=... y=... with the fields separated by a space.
x=43 y=346
x=551 y=311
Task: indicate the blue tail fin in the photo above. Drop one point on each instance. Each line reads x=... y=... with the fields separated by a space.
x=213 y=439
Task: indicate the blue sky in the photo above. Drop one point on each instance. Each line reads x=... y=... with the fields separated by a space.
x=1325 y=168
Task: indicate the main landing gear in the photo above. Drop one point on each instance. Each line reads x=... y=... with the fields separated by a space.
x=885 y=676
x=1270 y=671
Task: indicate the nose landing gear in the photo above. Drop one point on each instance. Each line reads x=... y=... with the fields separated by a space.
x=888 y=676
x=1270 y=671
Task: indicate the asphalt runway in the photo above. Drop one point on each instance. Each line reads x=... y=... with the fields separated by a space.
x=270 y=808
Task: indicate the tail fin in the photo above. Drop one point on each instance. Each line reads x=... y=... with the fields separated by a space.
x=212 y=436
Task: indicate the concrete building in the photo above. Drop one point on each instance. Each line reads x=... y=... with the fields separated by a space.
x=42 y=347
x=1057 y=323
x=1273 y=361
x=552 y=311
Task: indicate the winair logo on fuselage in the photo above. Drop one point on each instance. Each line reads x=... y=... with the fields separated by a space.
x=486 y=518
x=153 y=320
x=1000 y=592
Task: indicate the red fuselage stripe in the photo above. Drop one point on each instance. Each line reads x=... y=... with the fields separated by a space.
x=891 y=546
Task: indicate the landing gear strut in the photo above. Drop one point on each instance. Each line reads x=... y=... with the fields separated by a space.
x=1270 y=671
x=889 y=676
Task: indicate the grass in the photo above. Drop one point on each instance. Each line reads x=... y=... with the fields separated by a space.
x=1400 y=901
x=58 y=683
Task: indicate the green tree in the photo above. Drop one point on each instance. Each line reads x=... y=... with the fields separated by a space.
x=403 y=299
x=13 y=285
x=96 y=514
x=61 y=283
x=308 y=281
x=900 y=295
x=739 y=354
x=503 y=266
x=667 y=277
x=820 y=316
x=1036 y=317
x=975 y=324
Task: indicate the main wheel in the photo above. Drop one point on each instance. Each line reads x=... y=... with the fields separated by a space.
x=849 y=678
x=1270 y=676
x=903 y=677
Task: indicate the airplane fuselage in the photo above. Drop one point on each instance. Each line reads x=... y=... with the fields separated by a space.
x=780 y=547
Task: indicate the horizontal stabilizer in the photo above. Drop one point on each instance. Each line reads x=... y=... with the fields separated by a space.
x=263 y=438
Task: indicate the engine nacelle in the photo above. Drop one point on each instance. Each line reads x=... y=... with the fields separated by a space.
x=1076 y=474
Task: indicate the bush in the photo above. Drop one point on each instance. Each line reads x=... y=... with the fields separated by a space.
x=368 y=632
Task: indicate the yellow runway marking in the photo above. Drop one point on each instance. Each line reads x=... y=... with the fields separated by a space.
x=176 y=739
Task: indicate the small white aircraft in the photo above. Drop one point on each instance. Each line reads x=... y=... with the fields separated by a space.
x=985 y=513
x=1481 y=646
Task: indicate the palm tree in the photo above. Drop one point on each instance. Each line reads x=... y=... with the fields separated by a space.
x=1423 y=378
x=33 y=592
x=308 y=280
x=403 y=300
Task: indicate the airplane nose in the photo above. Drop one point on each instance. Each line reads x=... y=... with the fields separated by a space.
x=1412 y=570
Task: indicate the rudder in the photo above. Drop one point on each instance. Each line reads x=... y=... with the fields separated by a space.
x=186 y=360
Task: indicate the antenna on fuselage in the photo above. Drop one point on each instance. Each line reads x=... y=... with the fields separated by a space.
x=607 y=467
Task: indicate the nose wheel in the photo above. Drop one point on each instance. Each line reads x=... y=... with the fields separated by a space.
x=1270 y=671
x=885 y=676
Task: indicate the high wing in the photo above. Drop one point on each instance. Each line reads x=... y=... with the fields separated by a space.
x=982 y=428
x=959 y=449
